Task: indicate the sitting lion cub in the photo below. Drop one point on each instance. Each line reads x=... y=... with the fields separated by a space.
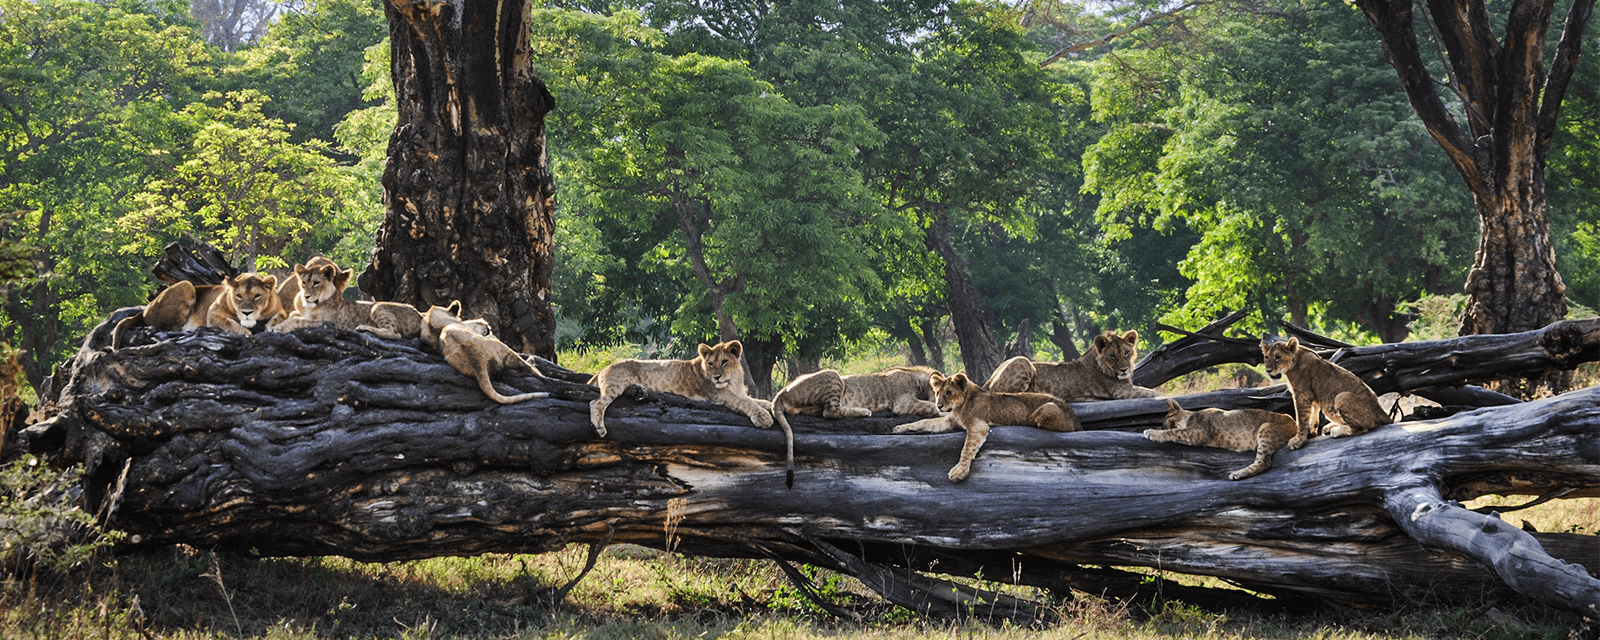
x=1319 y=386
x=1260 y=430
x=246 y=300
x=321 y=299
x=973 y=408
x=469 y=349
x=1104 y=372
x=715 y=375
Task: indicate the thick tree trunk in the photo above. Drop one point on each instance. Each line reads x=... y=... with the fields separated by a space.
x=323 y=441
x=1511 y=107
x=468 y=193
x=980 y=355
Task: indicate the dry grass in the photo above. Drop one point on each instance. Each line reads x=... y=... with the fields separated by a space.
x=631 y=593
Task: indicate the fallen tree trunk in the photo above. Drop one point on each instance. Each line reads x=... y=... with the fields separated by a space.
x=326 y=442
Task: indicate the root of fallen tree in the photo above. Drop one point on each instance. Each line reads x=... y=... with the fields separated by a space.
x=327 y=442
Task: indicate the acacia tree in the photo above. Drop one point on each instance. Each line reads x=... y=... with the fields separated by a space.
x=1511 y=105
x=469 y=198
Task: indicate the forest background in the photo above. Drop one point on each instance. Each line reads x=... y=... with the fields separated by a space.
x=826 y=179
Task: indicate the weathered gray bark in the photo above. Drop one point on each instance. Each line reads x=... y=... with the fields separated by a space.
x=331 y=442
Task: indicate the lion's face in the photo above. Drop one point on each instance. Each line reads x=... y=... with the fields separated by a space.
x=321 y=283
x=720 y=364
x=254 y=297
x=1279 y=357
x=1114 y=354
x=950 y=393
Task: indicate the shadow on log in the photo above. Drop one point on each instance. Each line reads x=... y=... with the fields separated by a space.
x=328 y=442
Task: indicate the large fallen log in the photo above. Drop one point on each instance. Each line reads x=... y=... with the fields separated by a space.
x=327 y=442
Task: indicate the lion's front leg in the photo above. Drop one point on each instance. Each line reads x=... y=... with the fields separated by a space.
x=941 y=424
x=759 y=411
x=977 y=434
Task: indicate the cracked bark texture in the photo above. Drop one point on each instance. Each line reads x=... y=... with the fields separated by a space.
x=328 y=442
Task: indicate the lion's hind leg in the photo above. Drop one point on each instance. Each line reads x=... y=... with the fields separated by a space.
x=1014 y=375
x=1055 y=417
x=1270 y=437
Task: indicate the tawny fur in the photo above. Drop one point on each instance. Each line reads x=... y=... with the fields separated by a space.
x=182 y=306
x=248 y=302
x=974 y=409
x=902 y=390
x=1259 y=430
x=715 y=374
x=1105 y=372
x=1322 y=387
x=321 y=299
x=470 y=351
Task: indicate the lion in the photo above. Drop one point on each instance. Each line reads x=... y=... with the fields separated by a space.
x=1260 y=430
x=182 y=306
x=248 y=302
x=715 y=374
x=470 y=350
x=321 y=299
x=1104 y=372
x=974 y=408
x=902 y=390
x=1322 y=387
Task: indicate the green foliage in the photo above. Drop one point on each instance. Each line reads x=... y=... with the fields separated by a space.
x=1290 y=149
x=241 y=186
x=44 y=528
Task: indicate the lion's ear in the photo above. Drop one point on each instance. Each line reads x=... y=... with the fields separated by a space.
x=1173 y=406
x=454 y=308
x=343 y=278
x=705 y=349
x=1131 y=336
x=960 y=380
x=936 y=377
x=1292 y=344
x=734 y=348
x=301 y=269
x=271 y=280
x=1100 y=341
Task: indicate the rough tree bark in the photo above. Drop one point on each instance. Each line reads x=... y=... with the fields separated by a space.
x=468 y=193
x=1512 y=107
x=980 y=355
x=331 y=442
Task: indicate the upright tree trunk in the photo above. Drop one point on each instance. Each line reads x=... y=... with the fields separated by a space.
x=979 y=353
x=468 y=193
x=1511 y=108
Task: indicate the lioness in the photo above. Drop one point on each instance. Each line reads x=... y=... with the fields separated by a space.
x=973 y=408
x=182 y=306
x=1260 y=430
x=246 y=300
x=715 y=374
x=468 y=348
x=1104 y=372
x=1319 y=386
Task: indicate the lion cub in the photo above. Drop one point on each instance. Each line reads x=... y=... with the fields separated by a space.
x=1104 y=372
x=182 y=306
x=321 y=299
x=715 y=374
x=1260 y=430
x=903 y=390
x=973 y=408
x=1319 y=386
x=246 y=300
x=470 y=350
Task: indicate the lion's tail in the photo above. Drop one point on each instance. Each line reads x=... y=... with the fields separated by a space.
x=781 y=417
x=488 y=389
